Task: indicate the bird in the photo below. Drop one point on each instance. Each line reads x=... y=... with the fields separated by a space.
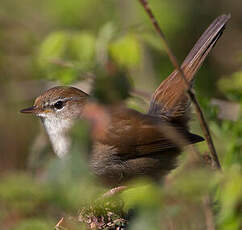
x=127 y=144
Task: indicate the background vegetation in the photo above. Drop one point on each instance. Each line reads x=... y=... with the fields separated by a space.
x=46 y=43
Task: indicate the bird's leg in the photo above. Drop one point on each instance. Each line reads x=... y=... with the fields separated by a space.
x=114 y=191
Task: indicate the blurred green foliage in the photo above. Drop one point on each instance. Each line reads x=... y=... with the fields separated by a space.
x=126 y=51
x=37 y=224
x=232 y=86
x=64 y=56
x=118 y=87
x=63 y=42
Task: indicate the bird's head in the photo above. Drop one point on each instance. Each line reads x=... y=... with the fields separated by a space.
x=59 y=102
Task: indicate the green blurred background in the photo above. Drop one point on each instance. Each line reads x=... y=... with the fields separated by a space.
x=46 y=43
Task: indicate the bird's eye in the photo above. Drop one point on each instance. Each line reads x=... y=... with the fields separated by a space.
x=59 y=105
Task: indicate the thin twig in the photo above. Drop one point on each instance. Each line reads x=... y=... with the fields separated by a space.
x=190 y=93
x=58 y=225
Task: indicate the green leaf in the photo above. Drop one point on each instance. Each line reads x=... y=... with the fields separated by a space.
x=126 y=51
x=143 y=196
x=83 y=47
x=64 y=56
x=53 y=47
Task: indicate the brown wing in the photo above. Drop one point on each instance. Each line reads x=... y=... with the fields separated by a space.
x=134 y=133
x=169 y=99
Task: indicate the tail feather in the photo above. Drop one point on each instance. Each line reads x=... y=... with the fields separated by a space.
x=169 y=100
x=203 y=46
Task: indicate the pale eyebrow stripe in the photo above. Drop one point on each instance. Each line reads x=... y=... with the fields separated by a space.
x=65 y=99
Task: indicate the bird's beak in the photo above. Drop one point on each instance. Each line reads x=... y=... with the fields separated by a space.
x=32 y=110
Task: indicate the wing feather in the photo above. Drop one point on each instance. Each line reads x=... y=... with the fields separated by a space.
x=136 y=134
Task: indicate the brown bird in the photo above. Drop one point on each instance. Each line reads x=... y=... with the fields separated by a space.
x=127 y=143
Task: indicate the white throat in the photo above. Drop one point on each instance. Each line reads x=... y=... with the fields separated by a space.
x=57 y=131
